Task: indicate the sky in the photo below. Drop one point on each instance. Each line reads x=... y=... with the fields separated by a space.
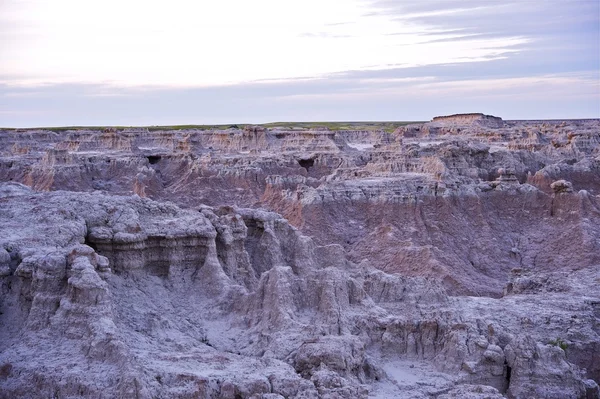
x=147 y=62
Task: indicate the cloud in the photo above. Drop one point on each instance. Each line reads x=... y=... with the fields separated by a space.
x=352 y=95
x=530 y=87
x=198 y=44
x=149 y=62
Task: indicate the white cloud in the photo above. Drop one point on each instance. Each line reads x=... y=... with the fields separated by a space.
x=184 y=43
x=539 y=87
x=396 y=80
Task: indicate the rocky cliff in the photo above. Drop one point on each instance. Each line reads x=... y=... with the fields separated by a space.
x=477 y=118
x=448 y=260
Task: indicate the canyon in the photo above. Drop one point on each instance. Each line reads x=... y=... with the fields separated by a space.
x=456 y=258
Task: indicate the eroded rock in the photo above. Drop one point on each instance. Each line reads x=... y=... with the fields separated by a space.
x=455 y=258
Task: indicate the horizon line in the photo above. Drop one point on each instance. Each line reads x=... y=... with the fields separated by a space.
x=273 y=124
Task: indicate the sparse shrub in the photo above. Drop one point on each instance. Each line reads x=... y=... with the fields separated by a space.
x=560 y=343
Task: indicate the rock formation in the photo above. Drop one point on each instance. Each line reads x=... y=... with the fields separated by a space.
x=465 y=119
x=451 y=259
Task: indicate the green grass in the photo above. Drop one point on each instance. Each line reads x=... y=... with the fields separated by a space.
x=334 y=126
x=560 y=343
x=61 y=129
x=198 y=127
x=386 y=126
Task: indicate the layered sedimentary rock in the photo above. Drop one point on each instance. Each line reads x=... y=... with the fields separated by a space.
x=456 y=258
x=465 y=119
x=153 y=300
x=411 y=189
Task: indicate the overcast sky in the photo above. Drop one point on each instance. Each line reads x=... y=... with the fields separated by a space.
x=145 y=62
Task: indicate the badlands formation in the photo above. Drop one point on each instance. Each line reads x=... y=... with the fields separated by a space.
x=458 y=258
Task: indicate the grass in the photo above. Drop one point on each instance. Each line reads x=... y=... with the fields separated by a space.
x=386 y=126
x=198 y=127
x=62 y=129
x=334 y=126
x=560 y=343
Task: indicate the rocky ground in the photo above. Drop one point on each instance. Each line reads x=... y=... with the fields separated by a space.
x=458 y=258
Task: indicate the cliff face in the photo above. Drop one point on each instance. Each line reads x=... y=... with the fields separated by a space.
x=466 y=119
x=451 y=259
x=153 y=300
x=419 y=185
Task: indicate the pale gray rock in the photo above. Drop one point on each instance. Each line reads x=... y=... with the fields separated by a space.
x=442 y=262
x=157 y=291
x=472 y=392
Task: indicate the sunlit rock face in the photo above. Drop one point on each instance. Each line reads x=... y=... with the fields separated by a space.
x=457 y=258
